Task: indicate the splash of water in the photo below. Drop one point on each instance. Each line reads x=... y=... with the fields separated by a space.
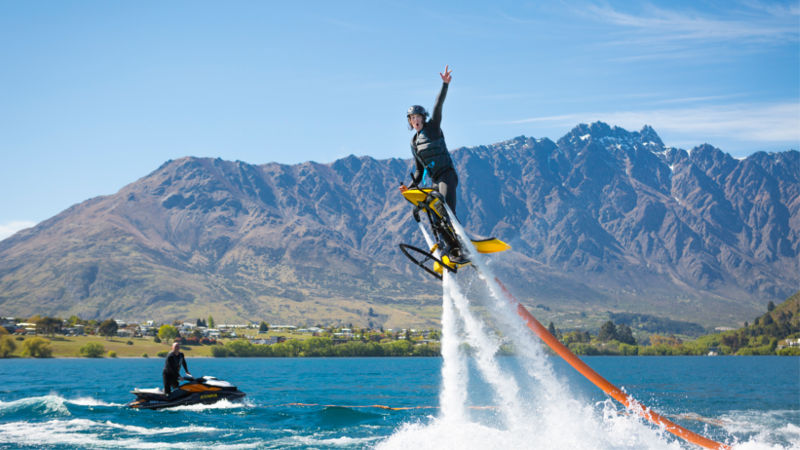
x=453 y=396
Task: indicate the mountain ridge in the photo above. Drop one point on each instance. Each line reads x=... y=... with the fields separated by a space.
x=603 y=218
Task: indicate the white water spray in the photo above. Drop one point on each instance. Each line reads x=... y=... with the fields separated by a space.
x=486 y=347
x=453 y=396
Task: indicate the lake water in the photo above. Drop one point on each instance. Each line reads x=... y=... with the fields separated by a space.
x=752 y=402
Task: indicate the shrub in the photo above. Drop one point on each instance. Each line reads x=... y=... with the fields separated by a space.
x=240 y=347
x=7 y=346
x=129 y=342
x=108 y=328
x=112 y=354
x=628 y=350
x=427 y=350
x=157 y=340
x=398 y=348
x=750 y=351
x=789 y=351
x=37 y=348
x=582 y=348
x=167 y=332
x=92 y=350
x=219 y=351
x=162 y=353
x=145 y=355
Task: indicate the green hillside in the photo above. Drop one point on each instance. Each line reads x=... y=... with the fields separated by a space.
x=767 y=335
x=776 y=332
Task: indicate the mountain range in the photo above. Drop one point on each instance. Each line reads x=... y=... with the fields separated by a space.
x=602 y=220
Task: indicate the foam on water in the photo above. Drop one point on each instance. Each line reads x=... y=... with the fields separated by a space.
x=222 y=404
x=74 y=432
x=90 y=433
x=764 y=429
x=46 y=404
x=319 y=440
x=89 y=401
x=52 y=404
x=155 y=431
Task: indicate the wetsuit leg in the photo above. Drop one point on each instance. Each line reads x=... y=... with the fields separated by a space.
x=448 y=182
x=169 y=382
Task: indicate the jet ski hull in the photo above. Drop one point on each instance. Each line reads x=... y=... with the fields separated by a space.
x=205 y=398
x=206 y=390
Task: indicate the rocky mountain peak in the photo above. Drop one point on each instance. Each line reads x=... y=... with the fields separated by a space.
x=649 y=135
x=600 y=135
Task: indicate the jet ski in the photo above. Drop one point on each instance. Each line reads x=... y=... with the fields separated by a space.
x=202 y=390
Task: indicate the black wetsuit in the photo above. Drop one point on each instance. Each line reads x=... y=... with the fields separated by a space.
x=430 y=152
x=172 y=370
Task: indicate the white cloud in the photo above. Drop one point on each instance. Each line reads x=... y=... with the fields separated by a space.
x=746 y=23
x=8 y=229
x=777 y=122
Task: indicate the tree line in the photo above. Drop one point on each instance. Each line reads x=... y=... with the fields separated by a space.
x=324 y=346
x=762 y=337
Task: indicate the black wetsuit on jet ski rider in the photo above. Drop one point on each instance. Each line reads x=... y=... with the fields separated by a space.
x=172 y=368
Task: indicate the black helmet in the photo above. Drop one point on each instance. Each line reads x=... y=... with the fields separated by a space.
x=416 y=109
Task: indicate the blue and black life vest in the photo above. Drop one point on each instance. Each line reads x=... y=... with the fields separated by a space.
x=432 y=153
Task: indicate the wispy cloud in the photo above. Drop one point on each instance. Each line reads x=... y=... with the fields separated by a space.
x=707 y=98
x=749 y=22
x=770 y=24
x=8 y=229
x=777 y=122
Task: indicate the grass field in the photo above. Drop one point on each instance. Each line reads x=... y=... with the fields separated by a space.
x=67 y=347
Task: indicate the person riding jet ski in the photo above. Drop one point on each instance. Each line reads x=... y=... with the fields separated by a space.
x=203 y=390
x=172 y=368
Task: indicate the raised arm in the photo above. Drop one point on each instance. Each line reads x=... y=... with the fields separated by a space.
x=436 y=117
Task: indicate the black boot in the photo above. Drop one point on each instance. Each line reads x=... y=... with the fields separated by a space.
x=457 y=256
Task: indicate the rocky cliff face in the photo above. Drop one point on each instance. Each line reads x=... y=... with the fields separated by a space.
x=603 y=219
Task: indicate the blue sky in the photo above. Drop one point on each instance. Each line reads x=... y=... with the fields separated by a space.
x=95 y=94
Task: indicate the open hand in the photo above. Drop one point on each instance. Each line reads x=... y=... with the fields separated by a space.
x=446 y=75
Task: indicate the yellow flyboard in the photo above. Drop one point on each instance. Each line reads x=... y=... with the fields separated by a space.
x=425 y=199
x=491 y=245
x=416 y=196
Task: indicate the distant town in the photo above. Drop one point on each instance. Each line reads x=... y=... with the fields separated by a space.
x=220 y=337
x=199 y=330
x=776 y=332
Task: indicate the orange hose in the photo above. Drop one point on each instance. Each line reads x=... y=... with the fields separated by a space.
x=616 y=393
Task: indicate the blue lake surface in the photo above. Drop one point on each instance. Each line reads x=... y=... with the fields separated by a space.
x=753 y=402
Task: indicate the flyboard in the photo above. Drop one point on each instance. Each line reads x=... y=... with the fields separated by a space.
x=440 y=257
